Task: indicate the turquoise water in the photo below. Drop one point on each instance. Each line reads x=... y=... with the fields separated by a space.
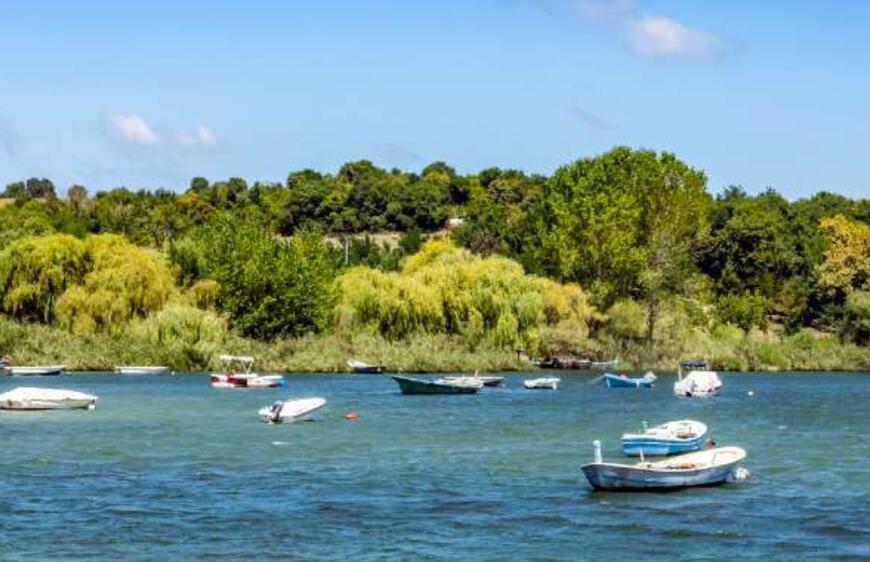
x=167 y=467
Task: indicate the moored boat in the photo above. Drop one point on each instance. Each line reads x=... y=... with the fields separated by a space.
x=237 y=373
x=699 y=382
x=703 y=468
x=361 y=367
x=410 y=385
x=25 y=398
x=291 y=410
x=142 y=370
x=623 y=381
x=544 y=383
x=680 y=436
x=477 y=379
x=36 y=370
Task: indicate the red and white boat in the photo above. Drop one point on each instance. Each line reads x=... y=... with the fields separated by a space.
x=237 y=373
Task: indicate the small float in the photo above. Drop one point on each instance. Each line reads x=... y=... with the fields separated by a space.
x=237 y=373
x=25 y=398
x=703 y=468
x=545 y=383
x=680 y=436
x=288 y=411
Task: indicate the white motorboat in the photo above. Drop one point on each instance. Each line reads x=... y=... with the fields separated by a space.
x=699 y=382
x=545 y=383
x=142 y=370
x=26 y=398
x=237 y=373
x=36 y=370
x=291 y=410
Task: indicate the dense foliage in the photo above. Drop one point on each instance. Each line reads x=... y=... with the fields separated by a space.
x=665 y=268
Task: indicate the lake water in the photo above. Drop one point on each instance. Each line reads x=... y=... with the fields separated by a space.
x=169 y=468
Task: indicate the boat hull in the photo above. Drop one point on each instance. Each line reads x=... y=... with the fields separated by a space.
x=420 y=386
x=542 y=384
x=134 y=370
x=249 y=380
x=660 y=447
x=37 y=371
x=27 y=399
x=605 y=476
x=616 y=381
x=291 y=410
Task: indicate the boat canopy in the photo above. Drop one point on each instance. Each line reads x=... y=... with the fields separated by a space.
x=241 y=358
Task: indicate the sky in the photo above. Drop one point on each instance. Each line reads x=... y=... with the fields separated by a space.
x=149 y=94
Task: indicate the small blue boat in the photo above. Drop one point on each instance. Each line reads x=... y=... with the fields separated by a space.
x=681 y=436
x=622 y=381
x=710 y=467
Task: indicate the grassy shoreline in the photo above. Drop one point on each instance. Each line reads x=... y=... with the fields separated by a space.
x=35 y=344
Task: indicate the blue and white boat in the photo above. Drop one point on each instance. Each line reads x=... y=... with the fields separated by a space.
x=680 y=436
x=622 y=381
x=703 y=468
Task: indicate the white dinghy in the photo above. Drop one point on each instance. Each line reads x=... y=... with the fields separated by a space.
x=27 y=398
x=36 y=370
x=291 y=410
x=700 y=382
x=545 y=383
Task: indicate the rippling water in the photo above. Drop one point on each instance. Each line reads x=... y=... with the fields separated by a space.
x=167 y=467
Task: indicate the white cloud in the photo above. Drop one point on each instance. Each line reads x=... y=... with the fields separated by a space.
x=133 y=129
x=201 y=136
x=657 y=36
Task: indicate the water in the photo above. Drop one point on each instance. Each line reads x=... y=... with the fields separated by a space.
x=169 y=468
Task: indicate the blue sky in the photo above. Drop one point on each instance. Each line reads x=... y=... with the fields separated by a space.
x=150 y=94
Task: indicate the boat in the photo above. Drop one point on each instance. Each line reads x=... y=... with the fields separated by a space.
x=472 y=382
x=291 y=410
x=237 y=373
x=545 y=383
x=680 y=436
x=27 y=398
x=37 y=370
x=362 y=367
x=142 y=370
x=700 y=382
x=410 y=385
x=703 y=468
x=622 y=381
x=485 y=380
x=571 y=362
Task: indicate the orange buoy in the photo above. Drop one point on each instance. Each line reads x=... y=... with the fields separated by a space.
x=351 y=416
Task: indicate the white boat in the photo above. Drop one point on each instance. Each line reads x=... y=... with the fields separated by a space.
x=699 y=382
x=484 y=380
x=703 y=468
x=36 y=370
x=466 y=382
x=291 y=410
x=680 y=436
x=26 y=398
x=237 y=373
x=141 y=370
x=361 y=367
x=545 y=383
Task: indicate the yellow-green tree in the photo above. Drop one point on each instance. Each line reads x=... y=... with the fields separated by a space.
x=846 y=266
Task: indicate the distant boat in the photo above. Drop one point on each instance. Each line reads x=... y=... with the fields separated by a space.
x=420 y=386
x=25 y=398
x=485 y=380
x=37 y=370
x=237 y=374
x=571 y=362
x=461 y=381
x=362 y=367
x=699 y=382
x=702 y=468
x=622 y=381
x=681 y=436
x=545 y=383
x=141 y=370
x=291 y=410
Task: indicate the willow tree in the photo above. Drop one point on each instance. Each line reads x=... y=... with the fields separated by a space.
x=35 y=272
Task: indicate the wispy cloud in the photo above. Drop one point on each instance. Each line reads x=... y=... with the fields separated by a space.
x=653 y=36
x=10 y=140
x=590 y=119
x=658 y=36
x=133 y=129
